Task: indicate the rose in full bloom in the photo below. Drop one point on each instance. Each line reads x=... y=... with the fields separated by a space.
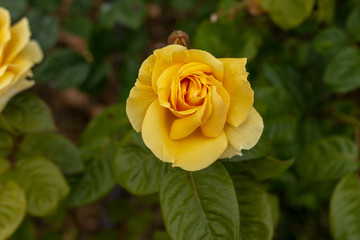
x=193 y=108
x=17 y=55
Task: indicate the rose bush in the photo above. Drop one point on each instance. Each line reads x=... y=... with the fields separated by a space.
x=17 y=55
x=193 y=108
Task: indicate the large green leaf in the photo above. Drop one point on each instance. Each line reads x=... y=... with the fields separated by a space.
x=111 y=123
x=136 y=168
x=342 y=74
x=43 y=183
x=327 y=159
x=352 y=23
x=288 y=14
x=96 y=181
x=260 y=169
x=261 y=149
x=129 y=13
x=345 y=209
x=255 y=210
x=200 y=205
x=6 y=143
x=330 y=41
x=12 y=208
x=55 y=148
x=44 y=28
x=28 y=113
x=63 y=69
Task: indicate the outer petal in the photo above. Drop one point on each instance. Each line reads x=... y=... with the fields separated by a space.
x=146 y=70
x=4 y=25
x=20 y=35
x=140 y=98
x=30 y=55
x=241 y=95
x=192 y=153
x=247 y=134
x=16 y=88
x=166 y=57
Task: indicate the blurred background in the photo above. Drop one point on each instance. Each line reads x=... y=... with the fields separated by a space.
x=304 y=64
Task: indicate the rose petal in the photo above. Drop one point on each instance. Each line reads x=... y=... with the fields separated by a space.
x=195 y=55
x=164 y=84
x=140 y=98
x=192 y=153
x=183 y=127
x=4 y=26
x=241 y=95
x=30 y=55
x=166 y=57
x=215 y=124
x=146 y=69
x=20 y=35
x=16 y=88
x=247 y=134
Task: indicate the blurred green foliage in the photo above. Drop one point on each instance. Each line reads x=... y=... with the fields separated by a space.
x=304 y=64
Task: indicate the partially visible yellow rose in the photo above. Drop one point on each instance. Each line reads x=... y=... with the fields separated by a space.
x=192 y=108
x=17 y=55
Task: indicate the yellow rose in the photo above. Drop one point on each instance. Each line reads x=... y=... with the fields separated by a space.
x=17 y=55
x=193 y=108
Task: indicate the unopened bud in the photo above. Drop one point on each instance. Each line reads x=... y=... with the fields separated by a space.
x=179 y=37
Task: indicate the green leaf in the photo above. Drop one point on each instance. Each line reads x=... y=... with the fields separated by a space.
x=342 y=74
x=183 y=5
x=327 y=159
x=345 y=209
x=249 y=42
x=260 y=169
x=44 y=28
x=97 y=77
x=80 y=6
x=255 y=210
x=130 y=13
x=96 y=181
x=6 y=143
x=288 y=14
x=111 y=123
x=216 y=37
x=275 y=208
x=281 y=129
x=352 y=23
x=326 y=10
x=55 y=148
x=43 y=183
x=63 y=69
x=200 y=205
x=12 y=208
x=46 y=6
x=330 y=41
x=261 y=149
x=79 y=26
x=136 y=168
x=16 y=8
x=28 y=113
